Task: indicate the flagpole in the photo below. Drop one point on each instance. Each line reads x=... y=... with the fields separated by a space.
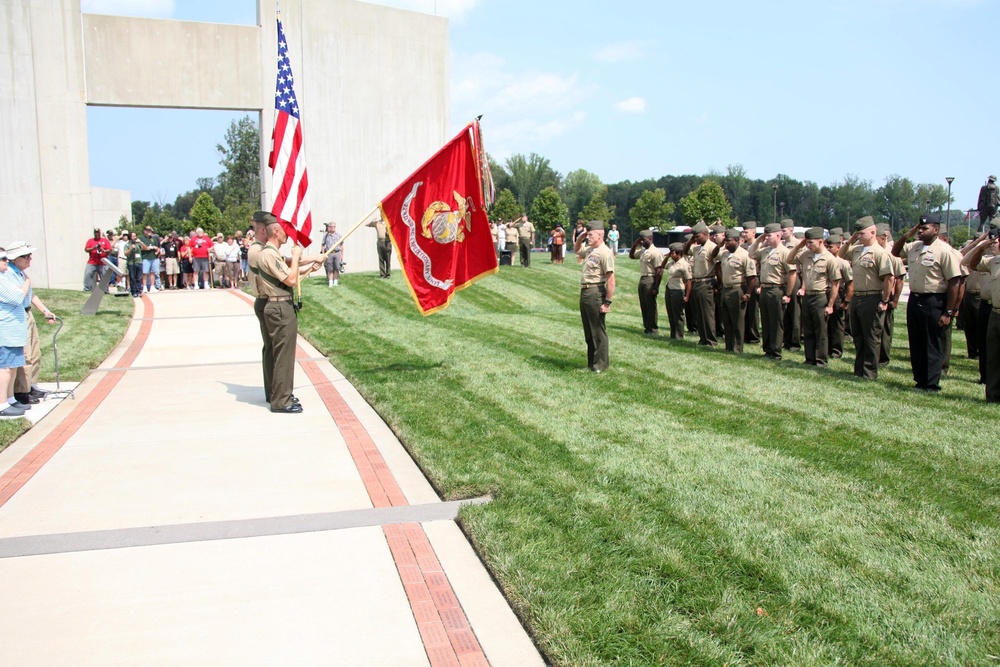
x=350 y=231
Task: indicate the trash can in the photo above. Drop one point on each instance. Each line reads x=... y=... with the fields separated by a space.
x=505 y=256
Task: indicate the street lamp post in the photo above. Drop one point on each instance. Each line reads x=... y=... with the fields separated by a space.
x=774 y=187
x=948 y=214
x=782 y=210
x=968 y=220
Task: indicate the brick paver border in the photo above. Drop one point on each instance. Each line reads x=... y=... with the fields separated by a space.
x=21 y=472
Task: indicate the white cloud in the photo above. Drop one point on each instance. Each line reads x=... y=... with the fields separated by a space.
x=620 y=52
x=632 y=105
x=146 y=8
x=453 y=9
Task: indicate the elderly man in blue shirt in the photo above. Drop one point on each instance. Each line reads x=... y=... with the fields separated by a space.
x=13 y=334
x=26 y=392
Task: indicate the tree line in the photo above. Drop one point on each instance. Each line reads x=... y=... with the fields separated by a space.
x=529 y=185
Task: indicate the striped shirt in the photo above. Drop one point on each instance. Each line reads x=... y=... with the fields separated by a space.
x=13 y=319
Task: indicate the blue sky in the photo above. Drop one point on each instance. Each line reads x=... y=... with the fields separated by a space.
x=635 y=90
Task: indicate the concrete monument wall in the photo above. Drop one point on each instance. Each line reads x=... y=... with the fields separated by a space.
x=372 y=83
x=109 y=206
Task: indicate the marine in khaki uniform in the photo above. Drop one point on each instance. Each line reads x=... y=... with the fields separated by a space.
x=510 y=233
x=899 y=273
x=984 y=257
x=650 y=259
x=777 y=280
x=678 y=292
x=276 y=280
x=699 y=248
x=383 y=245
x=978 y=283
x=260 y=219
x=793 y=310
x=597 y=288
x=736 y=272
x=525 y=240
x=873 y=292
x=841 y=300
x=935 y=276
x=751 y=328
x=820 y=283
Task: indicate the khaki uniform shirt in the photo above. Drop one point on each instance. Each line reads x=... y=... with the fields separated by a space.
x=701 y=263
x=870 y=266
x=991 y=291
x=650 y=259
x=678 y=273
x=844 y=273
x=818 y=270
x=382 y=231
x=253 y=254
x=511 y=235
x=272 y=273
x=597 y=264
x=736 y=267
x=772 y=264
x=493 y=231
x=525 y=230
x=976 y=283
x=931 y=266
x=898 y=267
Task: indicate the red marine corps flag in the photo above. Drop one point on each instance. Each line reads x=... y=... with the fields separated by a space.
x=437 y=222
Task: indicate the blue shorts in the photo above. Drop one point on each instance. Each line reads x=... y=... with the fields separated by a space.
x=11 y=357
x=151 y=266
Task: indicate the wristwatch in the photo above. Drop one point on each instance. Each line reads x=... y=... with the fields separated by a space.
x=607 y=302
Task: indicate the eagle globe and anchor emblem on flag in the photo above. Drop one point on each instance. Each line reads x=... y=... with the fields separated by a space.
x=438 y=223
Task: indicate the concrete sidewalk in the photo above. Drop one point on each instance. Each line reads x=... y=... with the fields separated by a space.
x=165 y=517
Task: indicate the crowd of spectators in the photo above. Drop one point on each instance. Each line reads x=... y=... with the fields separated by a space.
x=151 y=263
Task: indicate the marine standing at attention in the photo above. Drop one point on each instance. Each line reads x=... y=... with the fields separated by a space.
x=597 y=288
x=873 y=285
x=679 y=275
x=280 y=322
x=699 y=247
x=777 y=281
x=821 y=282
x=737 y=274
x=650 y=260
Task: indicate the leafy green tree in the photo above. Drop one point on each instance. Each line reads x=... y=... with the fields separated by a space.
x=236 y=216
x=501 y=179
x=577 y=190
x=597 y=208
x=205 y=214
x=852 y=199
x=505 y=207
x=651 y=210
x=707 y=202
x=958 y=234
x=239 y=182
x=529 y=176
x=549 y=211
x=139 y=209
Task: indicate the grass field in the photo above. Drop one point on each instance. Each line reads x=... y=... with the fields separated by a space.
x=84 y=342
x=689 y=507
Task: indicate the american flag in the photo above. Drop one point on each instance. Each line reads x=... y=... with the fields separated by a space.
x=289 y=181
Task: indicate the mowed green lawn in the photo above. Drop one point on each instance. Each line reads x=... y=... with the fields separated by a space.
x=689 y=507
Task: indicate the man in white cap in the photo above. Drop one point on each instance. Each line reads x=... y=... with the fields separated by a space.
x=19 y=256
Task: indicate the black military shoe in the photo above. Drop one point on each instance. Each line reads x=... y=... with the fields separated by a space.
x=290 y=409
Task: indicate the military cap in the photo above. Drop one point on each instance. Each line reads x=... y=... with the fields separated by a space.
x=799 y=235
x=264 y=218
x=864 y=223
x=881 y=228
x=717 y=229
x=19 y=249
x=646 y=233
x=595 y=226
x=814 y=233
x=750 y=224
x=732 y=233
x=699 y=228
x=676 y=247
x=687 y=237
x=771 y=228
x=786 y=223
x=836 y=231
x=993 y=178
x=930 y=219
x=834 y=239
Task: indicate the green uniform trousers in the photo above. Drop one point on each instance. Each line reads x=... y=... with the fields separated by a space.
x=594 y=330
x=751 y=327
x=281 y=327
x=733 y=317
x=703 y=296
x=266 y=353
x=771 y=319
x=866 y=330
x=384 y=257
x=835 y=331
x=814 y=328
x=888 y=325
x=675 y=312
x=524 y=245
x=648 y=306
x=793 y=318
